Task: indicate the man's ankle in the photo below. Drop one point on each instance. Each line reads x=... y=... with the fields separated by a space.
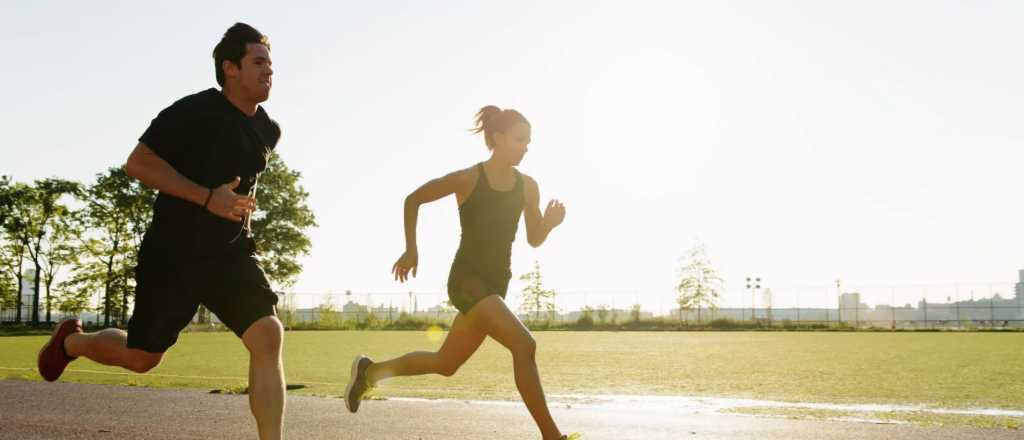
x=73 y=344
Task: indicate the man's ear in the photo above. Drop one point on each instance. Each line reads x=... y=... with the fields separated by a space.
x=230 y=69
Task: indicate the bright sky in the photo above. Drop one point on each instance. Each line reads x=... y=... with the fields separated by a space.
x=877 y=142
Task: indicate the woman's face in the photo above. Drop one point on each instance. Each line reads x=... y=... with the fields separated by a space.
x=512 y=144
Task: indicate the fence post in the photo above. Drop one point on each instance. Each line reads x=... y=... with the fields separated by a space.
x=925 y=307
x=828 y=318
x=798 y=306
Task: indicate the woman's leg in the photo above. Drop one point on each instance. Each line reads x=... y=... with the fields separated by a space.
x=493 y=317
x=461 y=342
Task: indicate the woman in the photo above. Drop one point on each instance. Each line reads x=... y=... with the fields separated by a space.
x=491 y=195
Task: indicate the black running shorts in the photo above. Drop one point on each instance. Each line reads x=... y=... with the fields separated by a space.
x=168 y=295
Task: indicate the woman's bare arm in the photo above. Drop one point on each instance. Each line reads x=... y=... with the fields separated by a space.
x=538 y=226
x=458 y=182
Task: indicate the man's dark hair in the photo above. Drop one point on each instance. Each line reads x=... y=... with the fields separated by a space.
x=232 y=47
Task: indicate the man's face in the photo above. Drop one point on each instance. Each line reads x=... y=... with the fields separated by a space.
x=253 y=77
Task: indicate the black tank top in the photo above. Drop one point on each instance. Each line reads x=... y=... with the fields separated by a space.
x=489 y=222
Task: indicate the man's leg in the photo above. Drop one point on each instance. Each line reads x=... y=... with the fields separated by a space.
x=110 y=347
x=263 y=339
x=163 y=307
x=160 y=313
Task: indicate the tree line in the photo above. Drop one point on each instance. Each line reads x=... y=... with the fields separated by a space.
x=82 y=240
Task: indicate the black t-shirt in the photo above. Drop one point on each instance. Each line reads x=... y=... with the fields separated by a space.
x=209 y=141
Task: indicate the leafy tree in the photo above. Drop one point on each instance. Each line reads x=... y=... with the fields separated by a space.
x=10 y=286
x=634 y=313
x=535 y=297
x=586 y=318
x=6 y=199
x=14 y=248
x=58 y=251
x=117 y=212
x=699 y=283
x=8 y=289
x=602 y=313
x=40 y=212
x=280 y=224
x=74 y=294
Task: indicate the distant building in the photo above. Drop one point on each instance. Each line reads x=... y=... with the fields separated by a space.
x=850 y=307
x=351 y=307
x=851 y=301
x=1019 y=288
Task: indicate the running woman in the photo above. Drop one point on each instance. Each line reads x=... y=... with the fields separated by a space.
x=491 y=197
x=204 y=154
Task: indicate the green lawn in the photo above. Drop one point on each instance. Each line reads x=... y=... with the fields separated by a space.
x=953 y=370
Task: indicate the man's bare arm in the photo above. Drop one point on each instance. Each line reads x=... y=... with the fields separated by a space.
x=154 y=172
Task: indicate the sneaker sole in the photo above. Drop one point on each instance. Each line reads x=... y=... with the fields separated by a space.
x=352 y=382
x=39 y=356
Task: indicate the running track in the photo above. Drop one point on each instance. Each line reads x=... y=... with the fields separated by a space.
x=36 y=410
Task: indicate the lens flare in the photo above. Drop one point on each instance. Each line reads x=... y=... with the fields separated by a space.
x=434 y=333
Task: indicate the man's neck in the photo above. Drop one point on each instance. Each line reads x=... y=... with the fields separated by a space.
x=239 y=101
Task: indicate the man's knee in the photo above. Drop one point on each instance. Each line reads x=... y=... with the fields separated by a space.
x=142 y=362
x=264 y=337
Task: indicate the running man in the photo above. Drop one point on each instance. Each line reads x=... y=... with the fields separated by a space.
x=204 y=154
x=491 y=197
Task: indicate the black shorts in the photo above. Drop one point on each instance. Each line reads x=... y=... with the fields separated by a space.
x=168 y=294
x=468 y=284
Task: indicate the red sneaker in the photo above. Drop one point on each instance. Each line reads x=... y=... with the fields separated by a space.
x=52 y=358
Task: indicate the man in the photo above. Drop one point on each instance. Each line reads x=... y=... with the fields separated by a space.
x=204 y=154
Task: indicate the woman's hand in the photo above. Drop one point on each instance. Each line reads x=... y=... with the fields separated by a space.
x=554 y=213
x=407 y=262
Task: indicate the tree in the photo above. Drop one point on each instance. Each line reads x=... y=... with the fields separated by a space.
x=699 y=283
x=8 y=289
x=39 y=214
x=535 y=297
x=58 y=251
x=634 y=313
x=14 y=247
x=280 y=224
x=602 y=313
x=7 y=280
x=117 y=212
x=74 y=296
x=6 y=199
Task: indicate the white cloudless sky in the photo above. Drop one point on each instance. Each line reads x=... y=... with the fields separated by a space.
x=876 y=142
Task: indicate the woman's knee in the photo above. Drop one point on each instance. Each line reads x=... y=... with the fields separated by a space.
x=448 y=367
x=524 y=346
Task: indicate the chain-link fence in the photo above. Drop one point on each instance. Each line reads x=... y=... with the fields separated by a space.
x=945 y=306
x=950 y=306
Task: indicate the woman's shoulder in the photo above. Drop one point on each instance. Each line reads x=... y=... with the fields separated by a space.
x=464 y=177
x=527 y=180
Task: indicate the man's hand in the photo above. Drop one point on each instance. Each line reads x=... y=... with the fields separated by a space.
x=225 y=203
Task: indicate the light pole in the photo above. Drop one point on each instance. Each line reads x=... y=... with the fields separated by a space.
x=753 y=285
x=839 y=291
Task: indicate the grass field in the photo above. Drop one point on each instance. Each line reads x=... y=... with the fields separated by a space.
x=950 y=370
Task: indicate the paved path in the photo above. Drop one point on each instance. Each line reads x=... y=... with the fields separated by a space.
x=37 y=410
